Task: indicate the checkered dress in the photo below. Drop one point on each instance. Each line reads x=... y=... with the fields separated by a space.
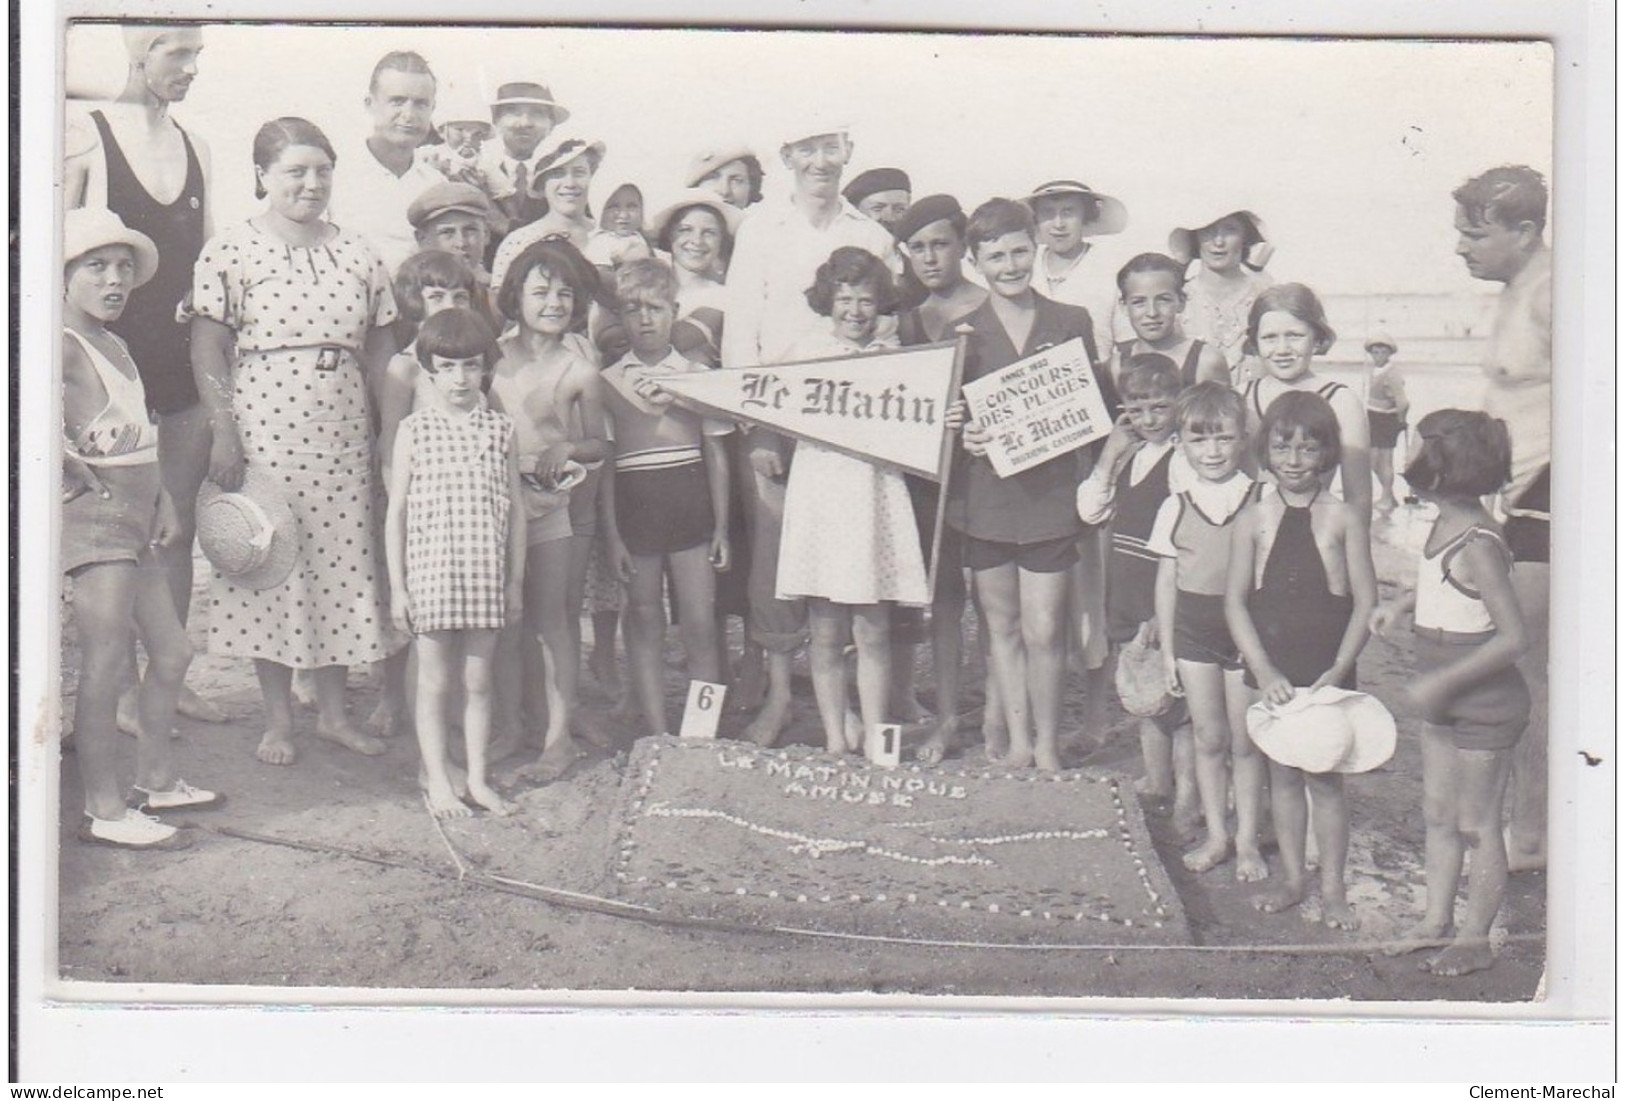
x=457 y=519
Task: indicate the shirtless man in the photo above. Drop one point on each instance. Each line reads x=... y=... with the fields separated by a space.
x=132 y=158
x=1500 y=220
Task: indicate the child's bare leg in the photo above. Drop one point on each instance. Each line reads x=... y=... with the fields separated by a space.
x=601 y=662
x=1210 y=726
x=694 y=588
x=547 y=584
x=103 y=607
x=776 y=624
x=168 y=656
x=999 y=595
x=478 y=647
x=1331 y=816
x=1481 y=781
x=947 y=653
x=750 y=682
x=333 y=721
x=1291 y=811
x=1248 y=768
x=1043 y=634
x=1089 y=586
x=438 y=658
x=645 y=625
x=276 y=688
x=1187 y=803
x=1157 y=753
x=1526 y=833
x=828 y=624
x=871 y=631
x=508 y=695
x=1443 y=848
x=1382 y=464
x=390 y=715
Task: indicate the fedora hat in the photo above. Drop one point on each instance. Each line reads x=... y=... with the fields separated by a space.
x=1182 y=244
x=1142 y=686
x=1111 y=216
x=518 y=92
x=1327 y=730
x=86 y=229
x=251 y=536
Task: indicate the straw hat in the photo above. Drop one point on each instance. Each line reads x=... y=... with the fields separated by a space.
x=695 y=196
x=1111 y=216
x=1141 y=683
x=527 y=92
x=1383 y=339
x=1182 y=244
x=711 y=160
x=86 y=229
x=1327 y=730
x=564 y=151
x=251 y=537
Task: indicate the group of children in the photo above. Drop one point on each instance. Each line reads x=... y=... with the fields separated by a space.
x=510 y=460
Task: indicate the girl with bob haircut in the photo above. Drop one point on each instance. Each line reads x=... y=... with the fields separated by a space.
x=850 y=545
x=1287 y=329
x=455 y=548
x=1298 y=601
x=556 y=399
x=1469 y=634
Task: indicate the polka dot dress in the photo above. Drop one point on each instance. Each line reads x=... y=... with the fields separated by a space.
x=457 y=512
x=300 y=316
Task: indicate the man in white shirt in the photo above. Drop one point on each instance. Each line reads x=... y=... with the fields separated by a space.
x=374 y=186
x=524 y=114
x=775 y=260
x=1500 y=219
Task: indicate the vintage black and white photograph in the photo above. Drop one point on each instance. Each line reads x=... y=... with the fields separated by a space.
x=656 y=511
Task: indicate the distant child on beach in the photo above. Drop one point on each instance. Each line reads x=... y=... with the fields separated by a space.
x=1152 y=289
x=1469 y=634
x=666 y=499
x=1298 y=603
x=114 y=512
x=850 y=542
x=1192 y=535
x=1386 y=407
x=556 y=400
x=455 y=549
x=1126 y=489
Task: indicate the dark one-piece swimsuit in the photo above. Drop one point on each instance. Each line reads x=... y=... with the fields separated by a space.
x=1299 y=619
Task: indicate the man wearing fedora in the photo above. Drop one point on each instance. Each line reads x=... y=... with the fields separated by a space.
x=524 y=114
x=134 y=159
x=384 y=176
x=775 y=260
x=1500 y=225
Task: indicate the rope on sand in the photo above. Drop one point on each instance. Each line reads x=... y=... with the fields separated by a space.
x=577 y=900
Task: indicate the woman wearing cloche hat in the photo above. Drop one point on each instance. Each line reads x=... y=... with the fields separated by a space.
x=114 y=512
x=1233 y=247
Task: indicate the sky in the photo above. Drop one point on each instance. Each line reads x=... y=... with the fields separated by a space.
x=1348 y=150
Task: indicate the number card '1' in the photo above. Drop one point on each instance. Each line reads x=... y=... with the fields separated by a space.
x=885 y=745
x=703 y=710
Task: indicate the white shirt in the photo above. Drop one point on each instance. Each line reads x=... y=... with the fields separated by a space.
x=1083 y=282
x=370 y=200
x=1097 y=494
x=775 y=260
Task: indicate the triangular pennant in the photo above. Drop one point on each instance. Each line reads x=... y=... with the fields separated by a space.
x=887 y=406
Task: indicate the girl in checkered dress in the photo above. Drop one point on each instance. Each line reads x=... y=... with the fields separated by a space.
x=455 y=545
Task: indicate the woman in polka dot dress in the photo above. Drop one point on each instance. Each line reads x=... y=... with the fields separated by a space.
x=291 y=316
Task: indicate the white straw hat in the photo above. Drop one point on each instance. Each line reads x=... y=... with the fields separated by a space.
x=1328 y=730
x=1182 y=244
x=251 y=537
x=85 y=229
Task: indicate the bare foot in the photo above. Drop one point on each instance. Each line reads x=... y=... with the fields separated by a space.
x=1251 y=866
x=387 y=719
x=1020 y=756
x=194 y=706
x=352 y=739
x=1147 y=788
x=276 y=748
x=853 y=727
x=1336 y=913
x=1420 y=936
x=941 y=742
x=1461 y=959
x=1524 y=854
x=1283 y=898
x=768 y=724
x=443 y=803
x=490 y=800
x=905 y=707
x=995 y=740
x=554 y=762
x=597 y=737
x=1213 y=852
x=749 y=690
x=1047 y=759
x=456 y=779
x=1187 y=820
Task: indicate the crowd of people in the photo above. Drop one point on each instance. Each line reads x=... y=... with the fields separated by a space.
x=413 y=411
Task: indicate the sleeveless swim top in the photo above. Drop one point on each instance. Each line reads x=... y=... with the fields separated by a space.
x=1443 y=601
x=1187 y=369
x=97 y=443
x=1251 y=394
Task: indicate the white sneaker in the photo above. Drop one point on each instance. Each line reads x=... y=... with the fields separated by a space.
x=134 y=831
x=182 y=796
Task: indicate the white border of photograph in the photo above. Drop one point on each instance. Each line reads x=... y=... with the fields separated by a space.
x=814 y=1037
